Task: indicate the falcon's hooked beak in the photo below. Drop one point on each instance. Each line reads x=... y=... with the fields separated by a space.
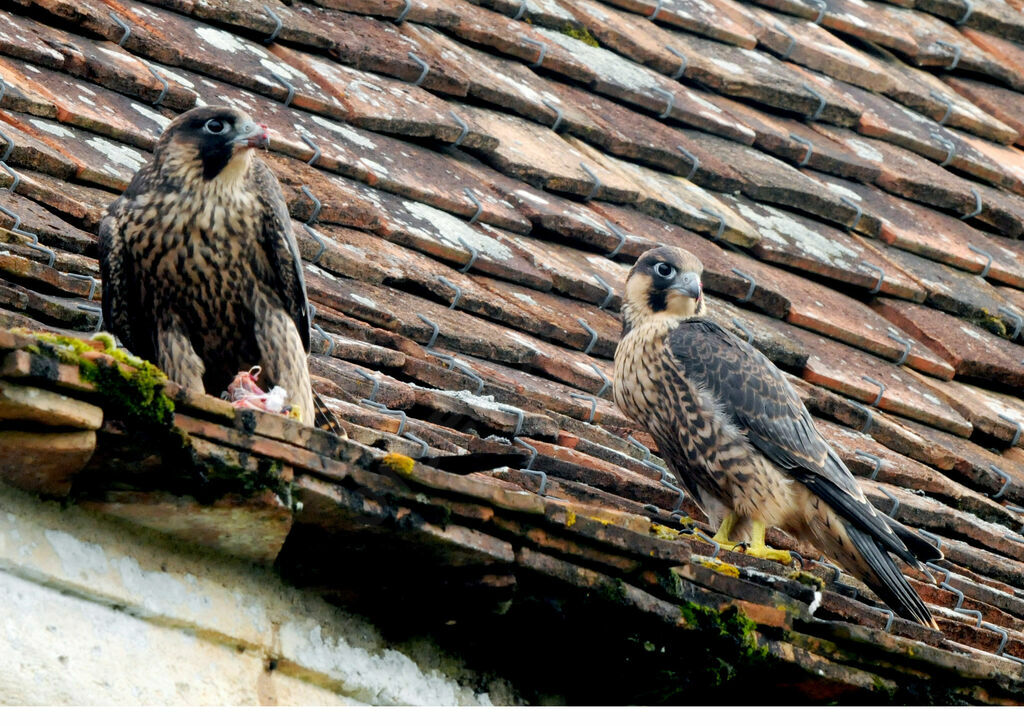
x=687 y=284
x=252 y=135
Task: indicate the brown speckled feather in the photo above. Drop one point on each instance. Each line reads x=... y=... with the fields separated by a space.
x=201 y=271
x=738 y=436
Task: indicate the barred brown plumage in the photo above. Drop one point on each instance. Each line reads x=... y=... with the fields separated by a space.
x=201 y=271
x=739 y=438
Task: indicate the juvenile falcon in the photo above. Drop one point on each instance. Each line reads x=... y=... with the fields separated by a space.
x=740 y=439
x=201 y=272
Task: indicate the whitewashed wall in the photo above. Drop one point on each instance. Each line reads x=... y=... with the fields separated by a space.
x=93 y=612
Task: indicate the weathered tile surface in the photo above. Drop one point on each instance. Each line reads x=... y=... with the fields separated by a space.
x=589 y=132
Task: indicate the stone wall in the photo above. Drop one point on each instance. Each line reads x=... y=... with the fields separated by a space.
x=96 y=613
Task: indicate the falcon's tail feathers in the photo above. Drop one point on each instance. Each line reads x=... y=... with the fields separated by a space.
x=886 y=580
x=325 y=418
x=921 y=548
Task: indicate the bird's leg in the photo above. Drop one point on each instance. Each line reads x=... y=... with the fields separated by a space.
x=757 y=547
x=724 y=530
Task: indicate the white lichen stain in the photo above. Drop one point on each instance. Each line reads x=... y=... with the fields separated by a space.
x=450 y=228
x=52 y=128
x=864 y=151
x=221 y=39
x=345 y=131
x=157 y=118
x=124 y=156
x=787 y=230
x=364 y=301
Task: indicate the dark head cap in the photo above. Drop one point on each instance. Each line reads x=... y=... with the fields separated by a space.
x=212 y=136
x=665 y=280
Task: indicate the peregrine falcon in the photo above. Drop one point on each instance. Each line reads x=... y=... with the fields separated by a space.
x=201 y=272
x=740 y=439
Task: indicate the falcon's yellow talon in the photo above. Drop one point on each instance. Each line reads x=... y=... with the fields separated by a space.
x=724 y=530
x=758 y=548
x=399 y=463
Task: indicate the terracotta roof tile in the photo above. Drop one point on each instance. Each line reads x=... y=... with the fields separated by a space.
x=958 y=292
x=1002 y=103
x=793 y=241
x=639 y=138
x=975 y=353
x=801 y=145
x=864 y=20
x=721 y=20
x=737 y=174
x=809 y=44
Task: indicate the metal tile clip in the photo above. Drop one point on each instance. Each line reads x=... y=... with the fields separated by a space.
x=881 y=276
x=684 y=62
x=807 y=154
x=881 y=389
x=876 y=460
x=750 y=281
x=907 y=343
x=694 y=162
x=541 y=47
x=558 y=114
x=593 y=336
x=278 y=24
x=424 y=67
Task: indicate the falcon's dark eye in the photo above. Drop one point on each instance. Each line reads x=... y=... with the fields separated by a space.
x=215 y=126
x=664 y=270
